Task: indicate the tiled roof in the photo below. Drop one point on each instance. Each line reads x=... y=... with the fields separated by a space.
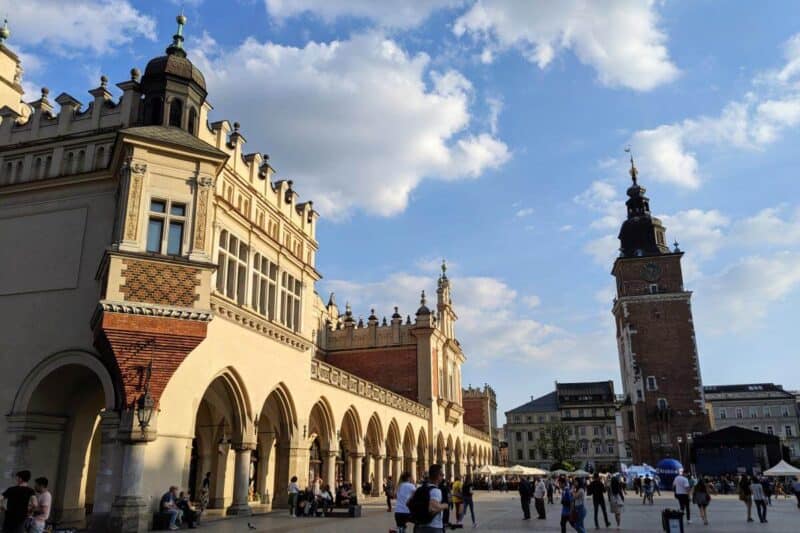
x=174 y=136
x=545 y=403
x=590 y=388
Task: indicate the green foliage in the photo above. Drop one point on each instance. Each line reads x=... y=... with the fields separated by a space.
x=555 y=443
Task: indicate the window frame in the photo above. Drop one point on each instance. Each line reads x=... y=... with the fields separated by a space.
x=167 y=218
x=235 y=288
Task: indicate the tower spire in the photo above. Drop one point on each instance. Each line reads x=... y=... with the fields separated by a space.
x=633 y=171
x=176 y=48
x=5 y=33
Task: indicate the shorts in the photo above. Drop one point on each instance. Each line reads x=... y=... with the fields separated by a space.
x=401 y=519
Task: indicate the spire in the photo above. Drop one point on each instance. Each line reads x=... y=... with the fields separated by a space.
x=444 y=269
x=5 y=33
x=176 y=48
x=633 y=171
x=332 y=300
x=423 y=309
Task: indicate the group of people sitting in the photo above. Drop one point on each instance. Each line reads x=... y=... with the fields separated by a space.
x=180 y=509
x=317 y=499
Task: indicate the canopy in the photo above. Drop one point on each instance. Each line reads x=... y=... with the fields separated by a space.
x=783 y=469
x=560 y=472
x=490 y=470
x=581 y=473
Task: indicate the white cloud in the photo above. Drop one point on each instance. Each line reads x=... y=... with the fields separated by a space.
x=356 y=123
x=620 y=39
x=94 y=25
x=668 y=153
x=388 y=14
x=604 y=250
x=524 y=212
x=495 y=108
x=700 y=231
x=566 y=227
x=768 y=228
x=532 y=301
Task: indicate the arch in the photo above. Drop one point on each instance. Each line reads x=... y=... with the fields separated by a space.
x=439 y=458
x=422 y=453
x=191 y=124
x=99 y=158
x=373 y=438
x=241 y=412
x=322 y=423
x=175 y=112
x=154 y=110
x=54 y=362
x=458 y=461
x=351 y=431
x=393 y=444
x=409 y=441
x=80 y=161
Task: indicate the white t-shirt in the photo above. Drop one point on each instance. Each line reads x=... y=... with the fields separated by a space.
x=681 y=485
x=436 y=495
x=42 y=512
x=293 y=488
x=404 y=493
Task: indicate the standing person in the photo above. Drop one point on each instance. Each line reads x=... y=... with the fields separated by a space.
x=760 y=499
x=637 y=485
x=681 y=486
x=746 y=495
x=18 y=501
x=525 y=493
x=648 y=490
x=701 y=499
x=293 y=491
x=579 y=497
x=467 y=495
x=436 y=504
x=205 y=491
x=388 y=490
x=550 y=490
x=617 y=499
x=444 y=486
x=402 y=515
x=598 y=490
x=44 y=501
x=796 y=489
x=566 y=506
x=539 y=492
x=458 y=486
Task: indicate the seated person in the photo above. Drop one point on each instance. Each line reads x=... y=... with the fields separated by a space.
x=169 y=505
x=326 y=500
x=191 y=516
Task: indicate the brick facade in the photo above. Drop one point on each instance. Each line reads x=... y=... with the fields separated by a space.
x=476 y=413
x=160 y=283
x=391 y=368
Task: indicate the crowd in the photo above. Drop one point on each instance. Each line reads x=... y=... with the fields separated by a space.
x=26 y=509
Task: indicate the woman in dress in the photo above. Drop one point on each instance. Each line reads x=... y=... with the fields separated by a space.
x=617 y=499
x=702 y=498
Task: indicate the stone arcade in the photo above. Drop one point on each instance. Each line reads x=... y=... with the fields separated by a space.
x=160 y=319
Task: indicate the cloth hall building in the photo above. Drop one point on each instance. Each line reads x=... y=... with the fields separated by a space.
x=160 y=317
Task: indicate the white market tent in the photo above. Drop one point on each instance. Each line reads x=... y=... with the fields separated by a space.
x=581 y=473
x=490 y=470
x=782 y=469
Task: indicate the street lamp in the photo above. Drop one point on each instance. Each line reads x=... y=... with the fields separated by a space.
x=680 y=453
x=146 y=404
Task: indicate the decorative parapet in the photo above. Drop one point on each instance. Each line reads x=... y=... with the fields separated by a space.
x=144 y=309
x=339 y=378
x=233 y=312
x=476 y=433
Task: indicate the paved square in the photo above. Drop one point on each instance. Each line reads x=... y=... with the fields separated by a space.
x=501 y=512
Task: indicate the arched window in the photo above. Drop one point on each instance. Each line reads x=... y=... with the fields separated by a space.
x=175 y=112
x=66 y=166
x=80 y=162
x=37 y=168
x=155 y=111
x=47 y=162
x=192 y=124
x=99 y=158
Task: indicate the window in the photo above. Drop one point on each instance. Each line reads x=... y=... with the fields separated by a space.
x=651 y=383
x=739 y=413
x=571 y=430
x=639 y=395
x=175 y=112
x=518 y=436
x=541 y=418
x=530 y=435
x=528 y=419
x=232 y=270
x=784 y=410
x=770 y=430
x=754 y=412
x=582 y=430
x=519 y=455
x=653 y=288
x=609 y=431
x=662 y=403
x=531 y=454
x=516 y=419
x=291 y=289
x=170 y=216
x=787 y=431
x=596 y=431
x=156 y=106
x=566 y=413
x=190 y=126
x=598 y=450
x=723 y=413
x=264 y=288
x=767 y=412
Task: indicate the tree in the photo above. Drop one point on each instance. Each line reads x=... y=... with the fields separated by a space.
x=555 y=443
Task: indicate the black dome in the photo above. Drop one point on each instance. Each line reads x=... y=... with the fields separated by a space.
x=175 y=66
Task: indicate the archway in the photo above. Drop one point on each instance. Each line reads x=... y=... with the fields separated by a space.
x=323 y=443
x=422 y=455
x=375 y=451
x=458 y=458
x=221 y=431
x=351 y=444
x=394 y=459
x=61 y=423
x=409 y=449
x=277 y=422
x=448 y=454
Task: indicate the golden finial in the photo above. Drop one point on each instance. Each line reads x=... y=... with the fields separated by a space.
x=633 y=171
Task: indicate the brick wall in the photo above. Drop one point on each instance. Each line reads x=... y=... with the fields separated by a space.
x=160 y=283
x=476 y=412
x=391 y=368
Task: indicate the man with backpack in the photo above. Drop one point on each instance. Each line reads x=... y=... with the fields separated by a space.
x=426 y=503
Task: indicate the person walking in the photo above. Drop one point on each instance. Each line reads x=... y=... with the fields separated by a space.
x=44 y=501
x=467 y=497
x=598 y=490
x=566 y=507
x=702 y=498
x=293 y=491
x=579 y=498
x=18 y=502
x=388 y=490
x=402 y=514
x=647 y=490
x=550 y=490
x=539 y=492
x=617 y=499
x=746 y=496
x=436 y=502
x=458 y=501
x=682 y=488
x=760 y=499
x=525 y=494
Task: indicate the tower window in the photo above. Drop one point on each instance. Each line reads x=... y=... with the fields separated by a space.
x=175 y=112
x=651 y=383
x=653 y=288
x=662 y=404
x=169 y=215
x=155 y=111
x=192 y=123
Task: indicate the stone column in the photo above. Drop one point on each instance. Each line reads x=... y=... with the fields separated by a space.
x=377 y=485
x=357 y=479
x=241 y=481
x=330 y=468
x=397 y=467
x=129 y=513
x=108 y=472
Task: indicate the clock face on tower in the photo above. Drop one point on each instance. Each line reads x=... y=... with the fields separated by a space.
x=651 y=272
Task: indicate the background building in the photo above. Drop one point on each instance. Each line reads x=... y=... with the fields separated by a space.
x=480 y=411
x=658 y=357
x=763 y=407
x=589 y=410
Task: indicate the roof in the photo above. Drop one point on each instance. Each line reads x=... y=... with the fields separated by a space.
x=745 y=387
x=174 y=136
x=735 y=436
x=174 y=65
x=546 y=403
x=590 y=388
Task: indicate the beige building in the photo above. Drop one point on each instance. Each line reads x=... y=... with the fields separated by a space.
x=160 y=318
x=588 y=409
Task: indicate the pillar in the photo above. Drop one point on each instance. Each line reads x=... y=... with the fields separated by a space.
x=108 y=472
x=330 y=468
x=397 y=467
x=241 y=481
x=357 y=479
x=377 y=485
x=129 y=512
x=366 y=465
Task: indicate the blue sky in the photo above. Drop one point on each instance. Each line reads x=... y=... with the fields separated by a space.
x=492 y=133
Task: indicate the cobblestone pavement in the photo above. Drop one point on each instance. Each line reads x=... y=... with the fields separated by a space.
x=501 y=512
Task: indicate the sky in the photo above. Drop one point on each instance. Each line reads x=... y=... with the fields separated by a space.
x=492 y=133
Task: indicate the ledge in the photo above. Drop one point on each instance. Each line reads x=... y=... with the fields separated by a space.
x=165 y=311
x=476 y=433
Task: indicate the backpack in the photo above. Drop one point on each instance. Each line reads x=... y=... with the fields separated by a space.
x=418 y=505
